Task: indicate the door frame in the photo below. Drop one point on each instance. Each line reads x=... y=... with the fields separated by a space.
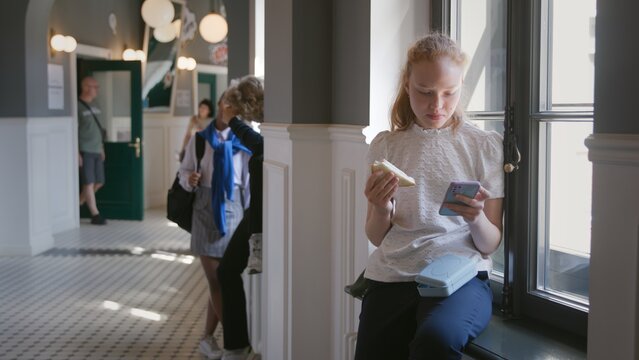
x=133 y=208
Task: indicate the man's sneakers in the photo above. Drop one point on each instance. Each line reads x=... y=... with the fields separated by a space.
x=239 y=354
x=210 y=349
x=97 y=219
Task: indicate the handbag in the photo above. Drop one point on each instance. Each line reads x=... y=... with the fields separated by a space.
x=359 y=288
x=179 y=202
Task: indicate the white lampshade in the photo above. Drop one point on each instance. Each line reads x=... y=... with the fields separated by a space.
x=165 y=34
x=157 y=13
x=57 y=42
x=177 y=24
x=70 y=44
x=191 y=64
x=182 y=62
x=140 y=55
x=129 y=55
x=213 y=28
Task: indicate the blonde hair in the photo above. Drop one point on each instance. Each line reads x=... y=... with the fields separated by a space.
x=431 y=47
x=246 y=97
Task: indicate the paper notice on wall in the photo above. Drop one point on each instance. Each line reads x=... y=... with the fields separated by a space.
x=56 y=98
x=56 y=86
x=183 y=98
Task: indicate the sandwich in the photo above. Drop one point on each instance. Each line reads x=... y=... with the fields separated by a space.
x=386 y=166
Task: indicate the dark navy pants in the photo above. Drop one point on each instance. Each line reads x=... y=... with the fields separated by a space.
x=397 y=323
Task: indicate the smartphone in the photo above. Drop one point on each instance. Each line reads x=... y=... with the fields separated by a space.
x=466 y=188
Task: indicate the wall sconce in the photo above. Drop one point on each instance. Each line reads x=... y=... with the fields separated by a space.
x=213 y=27
x=60 y=42
x=133 y=55
x=184 y=63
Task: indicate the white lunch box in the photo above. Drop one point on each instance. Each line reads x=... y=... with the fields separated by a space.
x=445 y=275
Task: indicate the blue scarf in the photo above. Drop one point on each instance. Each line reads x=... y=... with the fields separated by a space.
x=223 y=174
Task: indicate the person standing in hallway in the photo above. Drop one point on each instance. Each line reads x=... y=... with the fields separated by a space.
x=430 y=140
x=197 y=123
x=91 y=155
x=242 y=101
x=221 y=196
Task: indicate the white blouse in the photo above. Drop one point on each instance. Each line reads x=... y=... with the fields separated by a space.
x=434 y=157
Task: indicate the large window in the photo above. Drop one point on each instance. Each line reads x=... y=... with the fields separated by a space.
x=532 y=65
x=480 y=29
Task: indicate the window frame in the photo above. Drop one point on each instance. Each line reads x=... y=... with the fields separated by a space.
x=525 y=111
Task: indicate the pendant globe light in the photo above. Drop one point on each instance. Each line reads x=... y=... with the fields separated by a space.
x=157 y=13
x=213 y=27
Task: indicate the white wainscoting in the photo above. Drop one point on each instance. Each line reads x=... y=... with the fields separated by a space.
x=62 y=172
x=613 y=320
x=314 y=211
x=40 y=183
x=163 y=135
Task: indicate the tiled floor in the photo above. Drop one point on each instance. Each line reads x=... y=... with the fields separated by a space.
x=127 y=290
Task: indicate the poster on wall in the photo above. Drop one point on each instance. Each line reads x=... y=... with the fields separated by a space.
x=183 y=98
x=55 y=83
x=219 y=53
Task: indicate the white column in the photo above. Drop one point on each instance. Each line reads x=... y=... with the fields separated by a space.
x=350 y=245
x=613 y=321
x=297 y=246
x=314 y=243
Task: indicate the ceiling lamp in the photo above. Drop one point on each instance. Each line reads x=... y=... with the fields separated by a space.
x=165 y=34
x=157 y=13
x=213 y=27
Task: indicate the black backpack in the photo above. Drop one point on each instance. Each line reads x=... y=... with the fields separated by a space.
x=179 y=202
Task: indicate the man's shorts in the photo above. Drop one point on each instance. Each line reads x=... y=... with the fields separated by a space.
x=92 y=169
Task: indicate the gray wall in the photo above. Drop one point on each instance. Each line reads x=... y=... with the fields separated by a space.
x=240 y=40
x=616 y=68
x=12 y=62
x=351 y=61
x=298 y=63
x=312 y=61
x=88 y=22
x=198 y=48
x=24 y=73
x=278 y=61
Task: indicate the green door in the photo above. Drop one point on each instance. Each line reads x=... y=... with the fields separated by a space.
x=206 y=85
x=120 y=102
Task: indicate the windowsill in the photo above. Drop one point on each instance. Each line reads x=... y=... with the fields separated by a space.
x=523 y=339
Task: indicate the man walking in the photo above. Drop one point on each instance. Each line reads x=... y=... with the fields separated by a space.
x=91 y=154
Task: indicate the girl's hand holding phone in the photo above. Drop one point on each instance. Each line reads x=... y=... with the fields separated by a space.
x=472 y=208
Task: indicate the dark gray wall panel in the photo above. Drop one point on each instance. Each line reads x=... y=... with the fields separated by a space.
x=616 y=70
x=278 y=62
x=239 y=38
x=37 y=58
x=12 y=67
x=351 y=62
x=312 y=58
